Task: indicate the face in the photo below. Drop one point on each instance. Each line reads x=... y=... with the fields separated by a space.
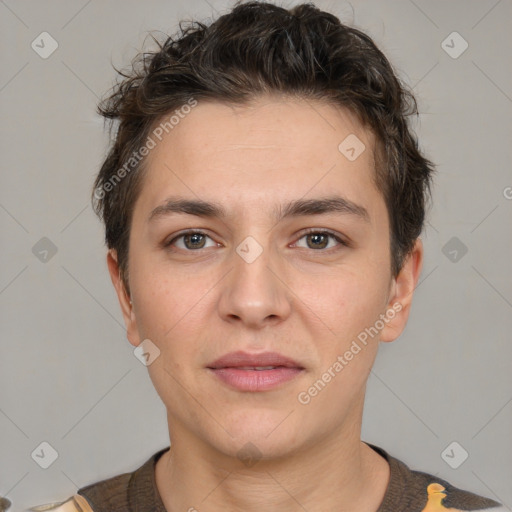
x=259 y=266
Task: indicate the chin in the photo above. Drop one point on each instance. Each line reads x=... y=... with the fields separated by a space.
x=250 y=449
x=257 y=434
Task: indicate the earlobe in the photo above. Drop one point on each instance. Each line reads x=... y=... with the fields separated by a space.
x=124 y=299
x=401 y=294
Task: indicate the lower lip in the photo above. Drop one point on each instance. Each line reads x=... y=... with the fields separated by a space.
x=256 y=380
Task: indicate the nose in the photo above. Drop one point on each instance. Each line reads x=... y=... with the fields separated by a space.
x=255 y=294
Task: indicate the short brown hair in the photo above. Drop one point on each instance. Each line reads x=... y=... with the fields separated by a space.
x=259 y=48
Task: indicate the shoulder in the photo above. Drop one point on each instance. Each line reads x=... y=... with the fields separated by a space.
x=411 y=490
x=104 y=496
x=108 y=495
x=115 y=494
x=441 y=495
x=74 y=504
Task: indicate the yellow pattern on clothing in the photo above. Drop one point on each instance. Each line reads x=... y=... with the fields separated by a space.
x=435 y=498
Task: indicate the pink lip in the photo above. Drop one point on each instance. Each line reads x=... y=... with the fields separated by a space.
x=237 y=369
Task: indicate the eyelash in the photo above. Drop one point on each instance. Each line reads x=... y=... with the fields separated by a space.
x=309 y=231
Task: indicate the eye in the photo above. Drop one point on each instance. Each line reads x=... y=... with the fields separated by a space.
x=320 y=240
x=190 y=241
x=314 y=239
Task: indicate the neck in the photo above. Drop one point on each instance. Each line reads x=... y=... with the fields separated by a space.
x=342 y=474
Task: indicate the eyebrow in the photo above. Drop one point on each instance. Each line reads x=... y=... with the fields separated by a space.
x=296 y=208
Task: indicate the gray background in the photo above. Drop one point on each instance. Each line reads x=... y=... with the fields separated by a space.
x=68 y=375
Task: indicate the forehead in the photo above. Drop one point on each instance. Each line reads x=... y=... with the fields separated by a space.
x=272 y=149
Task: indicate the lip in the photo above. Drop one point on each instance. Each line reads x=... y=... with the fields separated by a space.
x=242 y=359
x=239 y=370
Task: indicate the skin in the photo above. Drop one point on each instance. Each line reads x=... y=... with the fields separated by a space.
x=305 y=302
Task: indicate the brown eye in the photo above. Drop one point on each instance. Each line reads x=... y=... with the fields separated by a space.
x=190 y=241
x=318 y=240
x=194 y=241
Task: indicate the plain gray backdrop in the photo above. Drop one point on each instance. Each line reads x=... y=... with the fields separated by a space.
x=68 y=375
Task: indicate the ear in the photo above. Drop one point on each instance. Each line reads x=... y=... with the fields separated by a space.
x=132 y=332
x=401 y=292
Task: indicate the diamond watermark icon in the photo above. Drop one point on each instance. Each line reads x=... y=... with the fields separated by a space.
x=454 y=249
x=44 y=45
x=44 y=250
x=454 y=455
x=249 y=249
x=351 y=147
x=454 y=45
x=44 y=455
x=146 y=352
x=249 y=454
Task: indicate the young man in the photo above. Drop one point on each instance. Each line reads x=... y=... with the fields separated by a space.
x=263 y=200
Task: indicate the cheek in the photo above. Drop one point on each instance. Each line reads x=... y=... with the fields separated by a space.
x=157 y=306
x=346 y=300
x=168 y=300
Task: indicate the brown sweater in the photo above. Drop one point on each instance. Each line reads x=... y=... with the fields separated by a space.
x=408 y=491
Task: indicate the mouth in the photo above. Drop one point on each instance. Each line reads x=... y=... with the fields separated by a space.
x=255 y=372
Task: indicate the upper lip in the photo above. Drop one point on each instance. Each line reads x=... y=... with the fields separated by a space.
x=244 y=359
